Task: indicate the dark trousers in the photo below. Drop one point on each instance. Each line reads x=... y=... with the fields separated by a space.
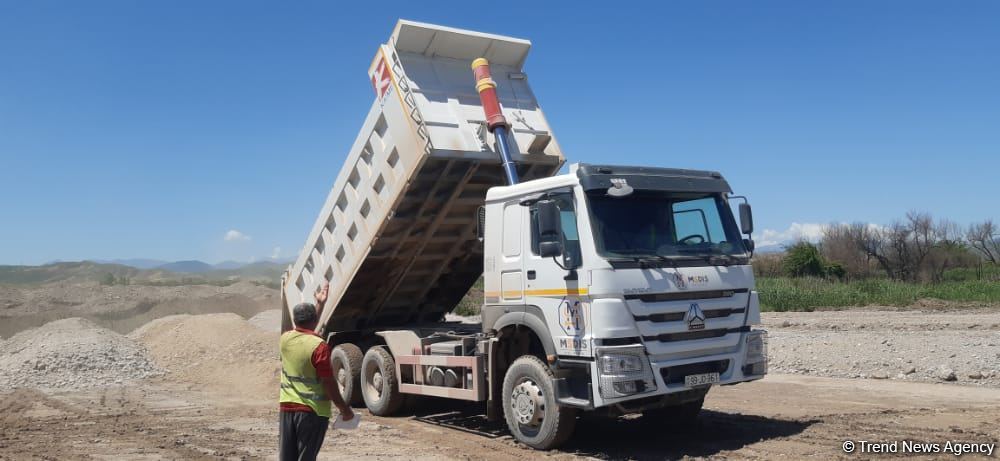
x=300 y=435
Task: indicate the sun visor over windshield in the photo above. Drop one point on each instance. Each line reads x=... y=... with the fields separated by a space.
x=647 y=178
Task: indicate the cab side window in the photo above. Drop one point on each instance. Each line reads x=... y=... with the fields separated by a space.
x=571 y=236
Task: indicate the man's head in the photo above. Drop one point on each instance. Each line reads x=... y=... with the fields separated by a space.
x=304 y=315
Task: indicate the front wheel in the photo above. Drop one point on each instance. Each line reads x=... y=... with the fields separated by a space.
x=379 y=384
x=529 y=405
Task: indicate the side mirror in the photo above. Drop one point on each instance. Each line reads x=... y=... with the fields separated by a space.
x=549 y=229
x=746 y=218
x=549 y=249
x=748 y=243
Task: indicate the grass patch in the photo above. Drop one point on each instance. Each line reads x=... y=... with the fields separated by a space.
x=805 y=294
x=983 y=272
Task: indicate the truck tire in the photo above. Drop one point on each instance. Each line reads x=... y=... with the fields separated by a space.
x=379 y=385
x=346 y=362
x=681 y=415
x=529 y=405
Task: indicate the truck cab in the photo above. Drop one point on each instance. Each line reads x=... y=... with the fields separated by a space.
x=635 y=281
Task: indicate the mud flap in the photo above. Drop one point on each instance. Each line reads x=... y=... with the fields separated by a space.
x=494 y=412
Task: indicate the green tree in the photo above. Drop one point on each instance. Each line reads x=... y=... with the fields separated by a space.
x=803 y=259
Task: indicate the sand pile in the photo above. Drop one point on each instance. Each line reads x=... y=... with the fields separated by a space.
x=220 y=352
x=71 y=354
x=267 y=320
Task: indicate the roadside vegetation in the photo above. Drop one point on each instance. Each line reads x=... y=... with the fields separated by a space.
x=897 y=265
x=472 y=301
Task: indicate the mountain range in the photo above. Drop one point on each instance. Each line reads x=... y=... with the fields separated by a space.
x=192 y=266
x=145 y=271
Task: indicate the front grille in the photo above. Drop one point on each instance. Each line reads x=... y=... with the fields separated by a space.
x=699 y=334
x=678 y=316
x=676 y=374
x=685 y=295
x=618 y=341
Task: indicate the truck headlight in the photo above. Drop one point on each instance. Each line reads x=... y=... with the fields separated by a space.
x=615 y=364
x=624 y=371
x=755 y=361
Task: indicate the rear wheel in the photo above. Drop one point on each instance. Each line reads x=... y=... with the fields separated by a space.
x=529 y=405
x=379 y=384
x=346 y=363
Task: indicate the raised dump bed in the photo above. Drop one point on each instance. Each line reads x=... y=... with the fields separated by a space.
x=396 y=237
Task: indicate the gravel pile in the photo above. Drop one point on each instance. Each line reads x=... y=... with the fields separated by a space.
x=71 y=354
x=949 y=347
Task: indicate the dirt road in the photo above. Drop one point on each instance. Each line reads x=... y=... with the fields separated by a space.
x=215 y=398
x=782 y=416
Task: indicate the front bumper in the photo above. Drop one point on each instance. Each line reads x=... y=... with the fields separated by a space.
x=746 y=363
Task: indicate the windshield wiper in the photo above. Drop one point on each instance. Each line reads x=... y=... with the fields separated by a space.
x=726 y=259
x=692 y=250
x=646 y=261
x=671 y=261
x=711 y=255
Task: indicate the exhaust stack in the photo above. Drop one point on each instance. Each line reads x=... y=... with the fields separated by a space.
x=495 y=121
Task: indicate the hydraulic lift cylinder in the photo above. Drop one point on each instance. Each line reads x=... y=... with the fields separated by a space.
x=496 y=123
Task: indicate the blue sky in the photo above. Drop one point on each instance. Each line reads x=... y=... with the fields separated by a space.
x=153 y=129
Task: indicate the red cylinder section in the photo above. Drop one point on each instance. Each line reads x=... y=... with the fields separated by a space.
x=487 y=89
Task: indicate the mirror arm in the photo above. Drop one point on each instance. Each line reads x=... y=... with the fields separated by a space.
x=555 y=260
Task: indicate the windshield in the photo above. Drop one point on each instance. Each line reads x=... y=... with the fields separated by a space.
x=664 y=225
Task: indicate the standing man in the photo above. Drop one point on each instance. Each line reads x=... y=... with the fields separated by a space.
x=307 y=385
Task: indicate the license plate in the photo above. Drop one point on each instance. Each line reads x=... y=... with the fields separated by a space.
x=704 y=379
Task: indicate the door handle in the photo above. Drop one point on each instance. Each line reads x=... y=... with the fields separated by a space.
x=531 y=275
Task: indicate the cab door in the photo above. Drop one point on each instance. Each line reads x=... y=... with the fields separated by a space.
x=511 y=251
x=553 y=286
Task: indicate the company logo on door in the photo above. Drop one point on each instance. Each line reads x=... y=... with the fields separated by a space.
x=571 y=316
x=572 y=345
x=573 y=321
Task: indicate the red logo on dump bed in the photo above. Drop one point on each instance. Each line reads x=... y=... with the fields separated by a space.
x=381 y=80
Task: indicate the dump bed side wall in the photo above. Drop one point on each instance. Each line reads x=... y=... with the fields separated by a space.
x=371 y=181
x=396 y=236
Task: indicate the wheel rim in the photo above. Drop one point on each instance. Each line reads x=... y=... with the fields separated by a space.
x=527 y=402
x=373 y=382
x=342 y=380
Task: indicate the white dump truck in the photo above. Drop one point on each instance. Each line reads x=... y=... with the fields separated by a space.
x=613 y=289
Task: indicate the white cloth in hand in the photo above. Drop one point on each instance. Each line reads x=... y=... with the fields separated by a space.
x=339 y=423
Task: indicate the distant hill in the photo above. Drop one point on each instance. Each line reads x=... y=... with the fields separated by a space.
x=175 y=273
x=190 y=267
x=259 y=268
x=79 y=271
x=262 y=269
x=138 y=263
x=228 y=265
